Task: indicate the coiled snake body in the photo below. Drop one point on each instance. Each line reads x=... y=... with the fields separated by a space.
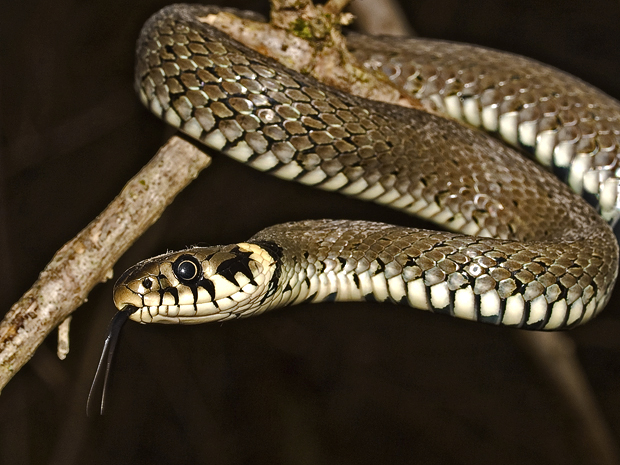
x=525 y=251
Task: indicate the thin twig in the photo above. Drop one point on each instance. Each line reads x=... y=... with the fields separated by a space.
x=63 y=338
x=381 y=17
x=87 y=259
x=555 y=357
x=335 y=7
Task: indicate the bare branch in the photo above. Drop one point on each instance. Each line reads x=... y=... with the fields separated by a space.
x=88 y=258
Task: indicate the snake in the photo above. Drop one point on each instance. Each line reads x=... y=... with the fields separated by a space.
x=519 y=247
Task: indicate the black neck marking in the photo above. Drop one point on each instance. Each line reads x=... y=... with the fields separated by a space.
x=276 y=252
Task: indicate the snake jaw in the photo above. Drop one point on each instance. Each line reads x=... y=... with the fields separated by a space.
x=197 y=285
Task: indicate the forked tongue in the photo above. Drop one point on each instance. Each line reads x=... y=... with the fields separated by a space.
x=101 y=381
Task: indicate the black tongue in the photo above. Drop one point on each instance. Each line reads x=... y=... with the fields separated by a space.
x=101 y=380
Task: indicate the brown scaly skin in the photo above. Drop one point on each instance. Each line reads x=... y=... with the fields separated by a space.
x=551 y=263
x=567 y=125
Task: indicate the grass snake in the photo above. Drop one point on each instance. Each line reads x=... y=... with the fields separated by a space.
x=524 y=250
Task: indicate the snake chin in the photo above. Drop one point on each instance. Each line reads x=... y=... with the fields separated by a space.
x=197 y=285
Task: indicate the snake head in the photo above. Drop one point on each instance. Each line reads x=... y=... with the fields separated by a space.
x=198 y=285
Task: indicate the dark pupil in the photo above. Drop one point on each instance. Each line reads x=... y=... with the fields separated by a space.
x=186 y=270
x=147 y=283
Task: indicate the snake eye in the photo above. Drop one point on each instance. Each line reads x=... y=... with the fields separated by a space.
x=186 y=268
x=147 y=283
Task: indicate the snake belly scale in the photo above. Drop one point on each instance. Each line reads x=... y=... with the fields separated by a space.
x=523 y=250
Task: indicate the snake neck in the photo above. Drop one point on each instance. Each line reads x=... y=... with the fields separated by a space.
x=461 y=276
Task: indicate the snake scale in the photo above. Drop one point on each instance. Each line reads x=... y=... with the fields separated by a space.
x=523 y=251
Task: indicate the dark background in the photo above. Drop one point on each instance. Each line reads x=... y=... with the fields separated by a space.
x=323 y=384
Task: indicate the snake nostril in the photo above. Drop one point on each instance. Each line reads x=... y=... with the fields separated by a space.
x=147 y=283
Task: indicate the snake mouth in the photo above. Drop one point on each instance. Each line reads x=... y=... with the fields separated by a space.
x=225 y=308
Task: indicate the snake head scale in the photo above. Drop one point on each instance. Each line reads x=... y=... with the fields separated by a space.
x=197 y=285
